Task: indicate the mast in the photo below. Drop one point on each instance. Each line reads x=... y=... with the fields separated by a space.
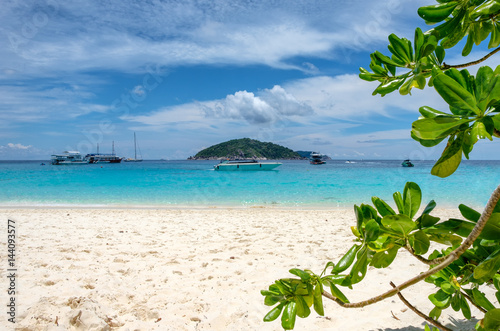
x=135 y=148
x=97 y=148
x=113 y=153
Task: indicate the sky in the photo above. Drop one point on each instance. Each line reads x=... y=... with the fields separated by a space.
x=185 y=75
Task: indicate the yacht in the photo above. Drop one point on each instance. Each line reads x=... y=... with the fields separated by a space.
x=68 y=158
x=104 y=158
x=316 y=158
x=135 y=159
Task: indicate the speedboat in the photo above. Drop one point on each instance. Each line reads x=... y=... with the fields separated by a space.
x=68 y=158
x=316 y=158
x=245 y=165
x=407 y=164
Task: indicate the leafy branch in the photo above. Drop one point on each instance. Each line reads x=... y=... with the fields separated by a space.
x=443 y=262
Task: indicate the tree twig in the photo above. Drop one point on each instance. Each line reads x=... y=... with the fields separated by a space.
x=472 y=301
x=446 y=260
x=419 y=313
x=457 y=66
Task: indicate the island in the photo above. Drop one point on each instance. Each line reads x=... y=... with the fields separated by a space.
x=245 y=149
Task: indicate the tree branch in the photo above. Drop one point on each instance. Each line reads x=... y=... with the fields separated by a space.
x=419 y=313
x=446 y=261
x=457 y=66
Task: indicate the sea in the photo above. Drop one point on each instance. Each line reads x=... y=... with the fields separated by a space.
x=194 y=184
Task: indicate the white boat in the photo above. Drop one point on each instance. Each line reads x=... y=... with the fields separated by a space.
x=135 y=159
x=104 y=158
x=245 y=165
x=316 y=158
x=68 y=158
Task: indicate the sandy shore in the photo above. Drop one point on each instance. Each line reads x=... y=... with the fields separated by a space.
x=145 y=269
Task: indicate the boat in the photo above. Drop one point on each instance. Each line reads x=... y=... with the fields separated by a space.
x=103 y=158
x=68 y=158
x=316 y=158
x=245 y=165
x=407 y=164
x=135 y=159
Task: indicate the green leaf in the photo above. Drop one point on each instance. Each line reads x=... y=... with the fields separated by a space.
x=450 y=159
x=420 y=242
x=464 y=305
x=289 y=315
x=491 y=320
x=491 y=230
x=389 y=86
x=428 y=112
x=318 y=300
x=303 y=309
x=455 y=301
x=399 y=48
x=437 y=127
x=435 y=313
x=274 y=313
x=455 y=95
x=469 y=213
x=271 y=300
x=437 y=13
x=400 y=224
x=443 y=237
x=384 y=258
x=427 y=221
x=337 y=293
x=359 y=268
x=346 y=261
x=481 y=299
x=486 y=9
x=440 y=299
x=372 y=230
x=495 y=37
x=479 y=132
x=412 y=197
x=300 y=273
x=382 y=207
x=398 y=199
x=489 y=267
x=468 y=45
x=440 y=53
x=359 y=218
x=418 y=42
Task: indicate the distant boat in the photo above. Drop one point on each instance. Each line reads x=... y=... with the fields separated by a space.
x=316 y=158
x=245 y=165
x=104 y=158
x=68 y=158
x=407 y=164
x=135 y=159
x=349 y=161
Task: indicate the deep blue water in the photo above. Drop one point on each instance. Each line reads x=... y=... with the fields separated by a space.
x=194 y=183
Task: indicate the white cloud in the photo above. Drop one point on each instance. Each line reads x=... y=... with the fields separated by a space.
x=18 y=146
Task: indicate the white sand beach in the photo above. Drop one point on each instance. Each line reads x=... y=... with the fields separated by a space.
x=190 y=269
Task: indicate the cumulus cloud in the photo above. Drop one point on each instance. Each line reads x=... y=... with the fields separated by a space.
x=269 y=106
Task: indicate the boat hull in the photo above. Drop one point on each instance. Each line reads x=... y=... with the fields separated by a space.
x=246 y=167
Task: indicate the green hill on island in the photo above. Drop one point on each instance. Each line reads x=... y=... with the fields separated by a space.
x=245 y=148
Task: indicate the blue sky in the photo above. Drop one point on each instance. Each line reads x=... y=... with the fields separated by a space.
x=185 y=75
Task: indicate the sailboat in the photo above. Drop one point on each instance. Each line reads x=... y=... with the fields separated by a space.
x=135 y=159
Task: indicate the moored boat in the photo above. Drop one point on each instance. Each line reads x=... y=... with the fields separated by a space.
x=68 y=158
x=245 y=165
x=135 y=159
x=103 y=158
x=407 y=164
x=316 y=158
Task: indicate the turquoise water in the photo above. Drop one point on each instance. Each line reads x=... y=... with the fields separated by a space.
x=194 y=183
